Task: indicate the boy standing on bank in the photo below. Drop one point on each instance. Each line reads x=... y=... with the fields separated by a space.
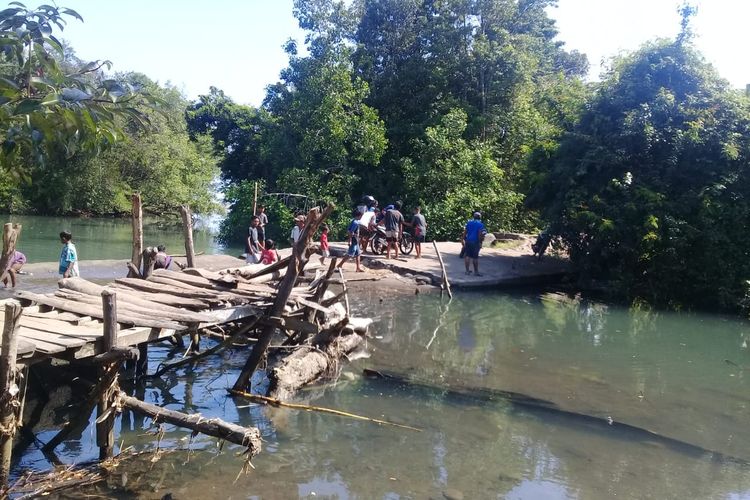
x=68 y=256
x=419 y=227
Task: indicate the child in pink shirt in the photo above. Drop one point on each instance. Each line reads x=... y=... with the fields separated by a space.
x=269 y=255
x=324 y=243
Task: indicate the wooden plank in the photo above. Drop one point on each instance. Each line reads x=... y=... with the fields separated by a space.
x=226 y=295
x=129 y=300
x=61 y=327
x=191 y=279
x=163 y=298
x=65 y=341
x=67 y=305
x=154 y=287
x=139 y=308
x=313 y=305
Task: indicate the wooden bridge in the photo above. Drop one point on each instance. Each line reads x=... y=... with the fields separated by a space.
x=69 y=323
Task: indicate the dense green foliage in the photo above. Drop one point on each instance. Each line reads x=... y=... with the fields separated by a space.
x=76 y=140
x=652 y=188
x=436 y=103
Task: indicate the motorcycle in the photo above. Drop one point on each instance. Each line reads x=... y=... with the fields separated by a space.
x=379 y=243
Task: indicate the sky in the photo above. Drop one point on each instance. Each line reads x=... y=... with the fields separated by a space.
x=236 y=45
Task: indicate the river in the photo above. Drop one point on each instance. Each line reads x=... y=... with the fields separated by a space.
x=100 y=238
x=685 y=377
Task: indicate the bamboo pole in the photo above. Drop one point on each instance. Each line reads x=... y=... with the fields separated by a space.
x=187 y=228
x=277 y=402
x=296 y=264
x=446 y=283
x=11 y=233
x=8 y=397
x=137 y=234
x=255 y=199
x=105 y=423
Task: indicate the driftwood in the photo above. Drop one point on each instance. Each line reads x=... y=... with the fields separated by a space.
x=96 y=312
x=248 y=437
x=222 y=295
x=445 y=284
x=308 y=363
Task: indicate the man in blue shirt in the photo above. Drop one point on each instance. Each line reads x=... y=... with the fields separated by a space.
x=473 y=235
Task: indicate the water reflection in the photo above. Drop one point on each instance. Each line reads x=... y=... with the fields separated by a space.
x=662 y=372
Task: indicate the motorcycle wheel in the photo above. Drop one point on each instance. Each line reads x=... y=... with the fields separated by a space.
x=378 y=245
x=406 y=244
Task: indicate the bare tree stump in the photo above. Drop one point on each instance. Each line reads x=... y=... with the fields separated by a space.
x=187 y=228
x=9 y=403
x=137 y=233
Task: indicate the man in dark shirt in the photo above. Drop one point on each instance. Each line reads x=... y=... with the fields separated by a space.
x=394 y=225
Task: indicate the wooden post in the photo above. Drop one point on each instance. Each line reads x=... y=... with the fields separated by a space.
x=141 y=365
x=296 y=264
x=8 y=399
x=446 y=283
x=255 y=199
x=11 y=233
x=187 y=227
x=149 y=257
x=137 y=233
x=105 y=436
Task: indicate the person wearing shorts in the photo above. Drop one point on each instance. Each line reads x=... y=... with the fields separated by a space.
x=473 y=235
x=353 y=252
x=419 y=229
x=394 y=224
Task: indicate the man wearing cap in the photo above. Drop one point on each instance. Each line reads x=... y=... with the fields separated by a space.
x=473 y=235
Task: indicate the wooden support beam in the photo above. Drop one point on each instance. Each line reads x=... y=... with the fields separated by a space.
x=446 y=284
x=105 y=422
x=248 y=437
x=187 y=228
x=137 y=235
x=9 y=403
x=149 y=258
x=11 y=233
x=296 y=264
x=141 y=365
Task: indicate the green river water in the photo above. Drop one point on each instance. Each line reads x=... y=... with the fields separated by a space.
x=684 y=377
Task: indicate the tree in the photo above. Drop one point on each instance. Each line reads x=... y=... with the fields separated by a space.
x=44 y=110
x=651 y=187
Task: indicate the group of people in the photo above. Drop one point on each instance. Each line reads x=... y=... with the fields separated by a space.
x=366 y=218
x=259 y=249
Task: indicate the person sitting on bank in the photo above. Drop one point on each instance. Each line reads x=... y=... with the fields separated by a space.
x=15 y=263
x=269 y=255
x=68 y=256
x=162 y=259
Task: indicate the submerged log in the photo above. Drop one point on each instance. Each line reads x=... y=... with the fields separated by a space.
x=543 y=406
x=308 y=364
x=248 y=437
